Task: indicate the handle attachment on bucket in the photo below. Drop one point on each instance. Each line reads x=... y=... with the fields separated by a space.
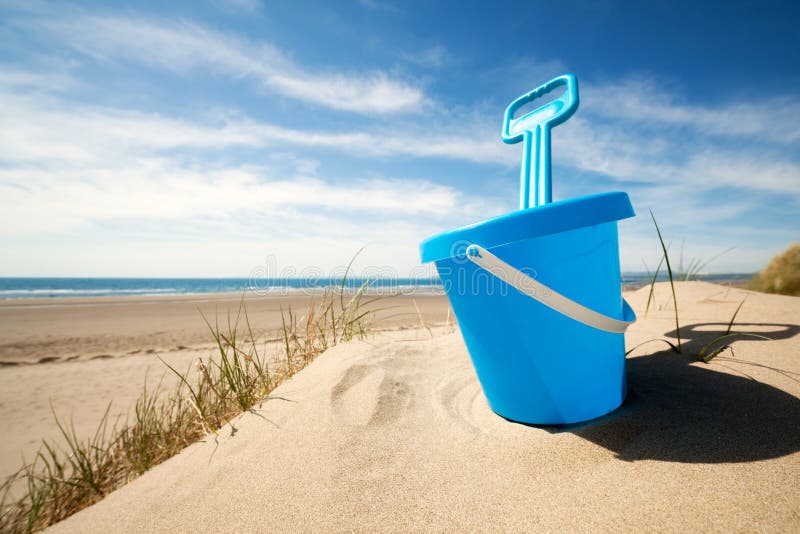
x=547 y=296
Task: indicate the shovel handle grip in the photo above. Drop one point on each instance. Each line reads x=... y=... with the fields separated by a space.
x=534 y=129
x=552 y=113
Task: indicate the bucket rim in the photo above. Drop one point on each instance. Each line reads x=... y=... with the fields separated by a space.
x=551 y=218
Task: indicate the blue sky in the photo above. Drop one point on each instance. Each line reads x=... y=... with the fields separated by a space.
x=215 y=138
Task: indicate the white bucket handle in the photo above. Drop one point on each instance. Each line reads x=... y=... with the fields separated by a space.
x=547 y=296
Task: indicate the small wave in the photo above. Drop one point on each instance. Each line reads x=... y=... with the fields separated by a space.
x=87 y=291
x=66 y=293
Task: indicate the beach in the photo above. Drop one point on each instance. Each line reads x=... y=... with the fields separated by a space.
x=78 y=357
x=380 y=266
x=392 y=433
x=46 y=330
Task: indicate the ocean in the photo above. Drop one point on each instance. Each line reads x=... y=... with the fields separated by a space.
x=21 y=288
x=16 y=288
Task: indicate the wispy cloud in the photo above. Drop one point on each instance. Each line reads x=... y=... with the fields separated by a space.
x=35 y=125
x=636 y=132
x=89 y=174
x=644 y=102
x=41 y=200
x=238 y=6
x=379 y=5
x=186 y=46
x=70 y=166
x=434 y=57
x=82 y=152
x=694 y=161
x=42 y=125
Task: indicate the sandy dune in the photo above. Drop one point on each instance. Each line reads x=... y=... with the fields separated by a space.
x=394 y=434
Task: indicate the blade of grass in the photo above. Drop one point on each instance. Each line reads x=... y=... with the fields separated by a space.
x=671 y=281
x=653 y=286
x=671 y=345
x=707 y=356
x=733 y=318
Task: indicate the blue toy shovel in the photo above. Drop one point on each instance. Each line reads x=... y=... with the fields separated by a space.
x=533 y=129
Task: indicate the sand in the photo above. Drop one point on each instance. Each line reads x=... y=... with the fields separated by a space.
x=394 y=434
x=67 y=329
x=78 y=355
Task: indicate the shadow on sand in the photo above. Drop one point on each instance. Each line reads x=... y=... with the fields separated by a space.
x=693 y=414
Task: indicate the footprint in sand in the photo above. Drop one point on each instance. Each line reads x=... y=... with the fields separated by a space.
x=368 y=394
x=355 y=397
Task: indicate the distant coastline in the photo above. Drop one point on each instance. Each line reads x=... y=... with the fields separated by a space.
x=635 y=280
x=35 y=288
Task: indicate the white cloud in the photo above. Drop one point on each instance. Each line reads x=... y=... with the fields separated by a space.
x=162 y=216
x=238 y=6
x=643 y=102
x=364 y=94
x=36 y=129
x=99 y=191
x=37 y=125
x=468 y=143
x=701 y=165
x=36 y=200
x=22 y=80
x=376 y=5
x=747 y=171
x=434 y=57
x=79 y=169
x=186 y=46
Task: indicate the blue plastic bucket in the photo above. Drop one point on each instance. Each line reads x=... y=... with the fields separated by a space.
x=536 y=364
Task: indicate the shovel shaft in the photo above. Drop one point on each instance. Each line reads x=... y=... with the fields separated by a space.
x=544 y=187
x=535 y=183
x=525 y=191
x=533 y=128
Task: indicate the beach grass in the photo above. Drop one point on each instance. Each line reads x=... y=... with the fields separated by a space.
x=694 y=268
x=719 y=344
x=671 y=282
x=781 y=275
x=62 y=480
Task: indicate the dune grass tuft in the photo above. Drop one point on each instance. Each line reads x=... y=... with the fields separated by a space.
x=782 y=274
x=60 y=482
